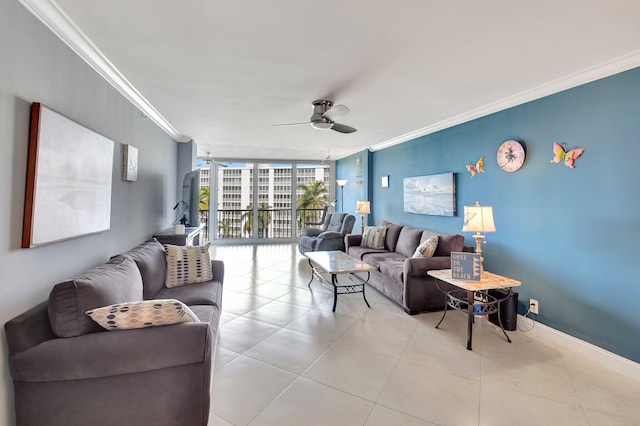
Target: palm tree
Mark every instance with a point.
(315, 196)
(204, 198)
(264, 219)
(225, 228)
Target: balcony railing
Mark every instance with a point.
(271, 223)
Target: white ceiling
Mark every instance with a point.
(223, 72)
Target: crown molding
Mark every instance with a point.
(54, 18)
(597, 72)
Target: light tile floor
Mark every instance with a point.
(284, 358)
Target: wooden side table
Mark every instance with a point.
(486, 304)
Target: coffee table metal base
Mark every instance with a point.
(357, 286)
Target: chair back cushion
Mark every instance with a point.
(334, 221)
(347, 224)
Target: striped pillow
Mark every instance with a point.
(187, 265)
(373, 237)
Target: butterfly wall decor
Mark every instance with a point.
(569, 157)
(478, 167)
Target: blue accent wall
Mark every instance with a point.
(357, 187)
(570, 235)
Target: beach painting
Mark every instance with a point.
(431, 195)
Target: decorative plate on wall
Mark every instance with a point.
(510, 156)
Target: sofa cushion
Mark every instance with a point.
(146, 313)
(446, 242)
(427, 247)
(187, 265)
(151, 260)
(207, 313)
(393, 269)
(358, 251)
(373, 237)
(393, 232)
(206, 293)
(375, 259)
(101, 286)
(408, 241)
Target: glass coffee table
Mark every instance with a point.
(334, 263)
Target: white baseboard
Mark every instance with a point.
(607, 359)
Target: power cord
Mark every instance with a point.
(533, 322)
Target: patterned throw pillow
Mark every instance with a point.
(427, 248)
(373, 237)
(148, 313)
(187, 265)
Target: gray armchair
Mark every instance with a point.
(330, 236)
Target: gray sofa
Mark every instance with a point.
(67, 370)
(330, 235)
(402, 278)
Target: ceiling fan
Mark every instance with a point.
(324, 117)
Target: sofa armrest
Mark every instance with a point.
(418, 266)
(311, 232)
(28, 329)
(330, 234)
(352, 240)
(217, 267)
(116, 352)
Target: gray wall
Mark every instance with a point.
(37, 67)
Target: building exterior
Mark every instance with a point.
(276, 194)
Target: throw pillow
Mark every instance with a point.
(148, 313)
(427, 248)
(187, 265)
(373, 237)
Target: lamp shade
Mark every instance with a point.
(363, 207)
(341, 182)
(478, 219)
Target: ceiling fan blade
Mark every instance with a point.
(335, 112)
(343, 128)
(290, 124)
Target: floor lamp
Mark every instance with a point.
(341, 183)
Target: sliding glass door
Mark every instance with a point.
(266, 200)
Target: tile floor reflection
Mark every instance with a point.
(284, 358)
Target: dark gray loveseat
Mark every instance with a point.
(69, 371)
(402, 278)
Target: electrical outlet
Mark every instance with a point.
(534, 306)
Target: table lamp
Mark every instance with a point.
(341, 183)
(363, 207)
(478, 219)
